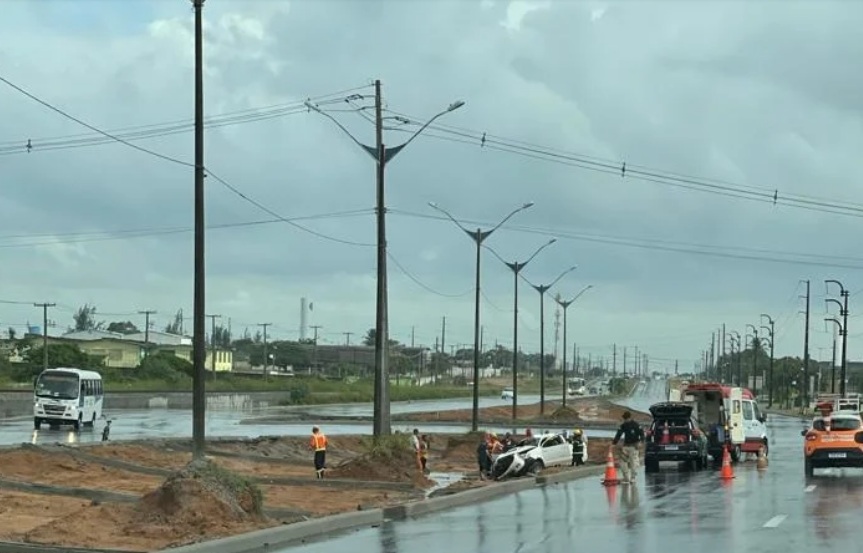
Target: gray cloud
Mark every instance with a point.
(757, 94)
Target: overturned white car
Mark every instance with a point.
(532, 455)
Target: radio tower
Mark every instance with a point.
(557, 333)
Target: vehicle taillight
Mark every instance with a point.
(811, 436)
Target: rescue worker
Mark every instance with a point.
(318, 444)
(507, 442)
(424, 453)
(483, 458)
(632, 435)
(577, 441)
(106, 431)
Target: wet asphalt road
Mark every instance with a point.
(172, 423)
(768, 511)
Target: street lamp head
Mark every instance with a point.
(455, 105)
(550, 242)
(527, 205)
(433, 205)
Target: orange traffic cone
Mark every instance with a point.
(610, 478)
(727, 472)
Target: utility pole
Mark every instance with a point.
(806, 354)
(624, 361)
(843, 306)
(675, 367)
(614, 360)
(833, 366)
(146, 314)
(443, 343)
(315, 338)
(722, 359)
(266, 356)
(199, 403)
(713, 352)
(412, 336)
(44, 307)
(213, 343)
(771, 333)
(637, 363)
(347, 336)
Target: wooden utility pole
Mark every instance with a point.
(45, 307)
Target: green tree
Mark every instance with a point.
(222, 337)
(164, 366)
(371, 334)
(11, 332)
(85, 318)
(124, 327)
(176, 325)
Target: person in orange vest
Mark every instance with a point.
(318, 444)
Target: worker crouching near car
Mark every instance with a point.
(318, 444)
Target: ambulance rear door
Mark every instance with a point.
(735, 416)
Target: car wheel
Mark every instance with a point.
(810, 470)
(78, 423)
(736, 454)
(766, 447)
(535, 468)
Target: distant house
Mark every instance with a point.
(125, 351)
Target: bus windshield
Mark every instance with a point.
(57, 385)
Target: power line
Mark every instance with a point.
(623, 169)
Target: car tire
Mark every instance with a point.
(809, 468)
(535, 468)
(78, 423)
(736, 454)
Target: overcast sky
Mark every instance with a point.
(743, 97)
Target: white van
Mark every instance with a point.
(731, 417)
(67, 396)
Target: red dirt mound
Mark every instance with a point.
(565, 414)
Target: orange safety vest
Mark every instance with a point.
(318, 442)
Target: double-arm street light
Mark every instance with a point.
(843, 330)
(478, 237)
(735, 337)
(516, 268)
(565, 305)
(382, 156)
(770, 333)
(542, 289)
(756, 344)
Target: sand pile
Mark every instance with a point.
(391, 459)
(565, 414)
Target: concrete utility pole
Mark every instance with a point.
(637, 367)
(347, 336)
(199, 404)
(213, 342)
(843, 306)
(614, 360)
(624, 361)
(806, 353)
(382, 156)
(45, 307)
(266, 356)
(146, 314)
(315, 360)
(412, 336)
(771, 336)
(443, 345)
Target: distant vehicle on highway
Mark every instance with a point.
(67, 396)
(532, 455)
(730, 416)
(507, 394)
(674, 436)
(833, 441)
(576, 387)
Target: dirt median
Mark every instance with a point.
(578, 412)
(167, 514)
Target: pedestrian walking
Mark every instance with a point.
(632, 435)
(318, 444)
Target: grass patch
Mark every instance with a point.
(387, 447)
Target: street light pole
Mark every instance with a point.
(516, 268)
(735, 336)
(844, 332)
(382, 156)
(479, 236)
(770, 332)
(756, 344)
(542, 289)
(565, 305)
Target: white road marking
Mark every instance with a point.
(775, 521)
(810, 489)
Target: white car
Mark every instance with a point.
(532, 455)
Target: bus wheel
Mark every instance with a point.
(93, 421)
(78, 423)
(37, 423)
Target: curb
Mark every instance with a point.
(269, 539)
(81, 493)
(16, 547)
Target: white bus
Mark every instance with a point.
(67, 396)
(577, 387)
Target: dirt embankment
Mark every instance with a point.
(579, 411)
(241, 486)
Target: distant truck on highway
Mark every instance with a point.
(731, 417)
